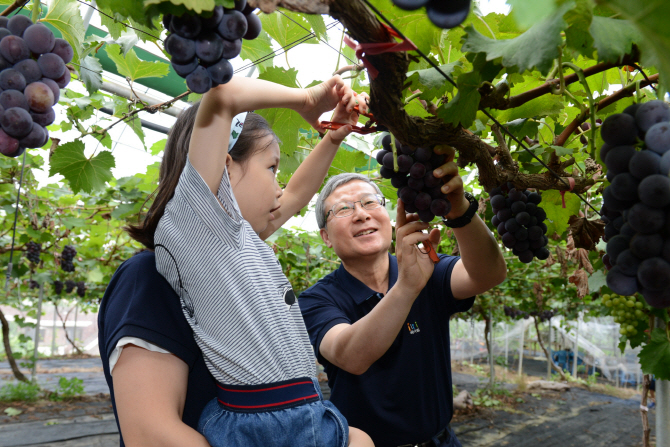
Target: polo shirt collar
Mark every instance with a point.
(359, 291)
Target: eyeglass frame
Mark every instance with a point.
(381, 203)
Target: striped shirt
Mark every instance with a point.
(232, 287)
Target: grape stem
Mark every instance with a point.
(37, 7)
(592, 104)
(151, 109)
(395, 154)
(503, 151)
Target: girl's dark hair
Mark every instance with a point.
(174, 160)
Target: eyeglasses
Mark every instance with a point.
(368, 201)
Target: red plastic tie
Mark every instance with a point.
(371, 49)
(571, 181)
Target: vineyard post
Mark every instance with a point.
(523, 334)
(506, 344)
(37, 332)
(662, 407)
(551, 342)
(53, 332)
(472, 340)
(74, 330)
(576, 354)
(491, 366)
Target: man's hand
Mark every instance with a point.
(414, 266)
(453, 183)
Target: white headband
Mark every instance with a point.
(236, 129)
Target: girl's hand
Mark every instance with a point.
(345, 113)
(322, 98)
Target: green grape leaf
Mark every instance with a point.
(414, 108)
(10, 411)
(83, 173)
(136, 124)
(113, 25)
(655, 355)
(613, 38)
(650, 17)
(90, 73)
(123, 8)
(133, 67)
(536, 48)
(528, 12)
(260, 47)
(431, 82)
(577, 34)
(280, 75)
(463, 107)
(288, 163)
(597, 280)
(546, 105)
(348, 161)
(284, 31)
(64, 15)
(557, 216)
(158, 147)
(126, 40)
(287, 124)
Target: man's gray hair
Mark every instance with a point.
(332, 184)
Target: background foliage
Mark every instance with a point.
(539, 71)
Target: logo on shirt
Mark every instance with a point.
(413, 328)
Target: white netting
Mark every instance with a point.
(598, 341)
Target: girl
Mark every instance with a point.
(215, 206)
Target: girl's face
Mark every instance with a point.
(255, 184)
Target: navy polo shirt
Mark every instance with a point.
(405, 397)
(140, 303)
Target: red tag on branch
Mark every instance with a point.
(370, 49)
(572, 186)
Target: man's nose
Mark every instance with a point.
(360, 213)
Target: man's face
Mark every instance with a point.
(365, 232)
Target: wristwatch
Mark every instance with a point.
(466, 218)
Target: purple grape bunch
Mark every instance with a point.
(67, 258)
(81, 289)
(419, 190)
(69, 286)
(516, 314)
(200, 46)
(32, 72)
(520, 222)
(58, 287)
(636, 204)
(444, 14)
(33, 250)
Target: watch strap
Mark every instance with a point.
(466, 218)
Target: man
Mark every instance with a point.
(380, 324)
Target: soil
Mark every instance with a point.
(579, 417)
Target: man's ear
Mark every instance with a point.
(324, 235)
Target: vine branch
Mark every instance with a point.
(629, 90)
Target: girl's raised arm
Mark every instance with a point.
(209, 140)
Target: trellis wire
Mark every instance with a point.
(486, 112)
